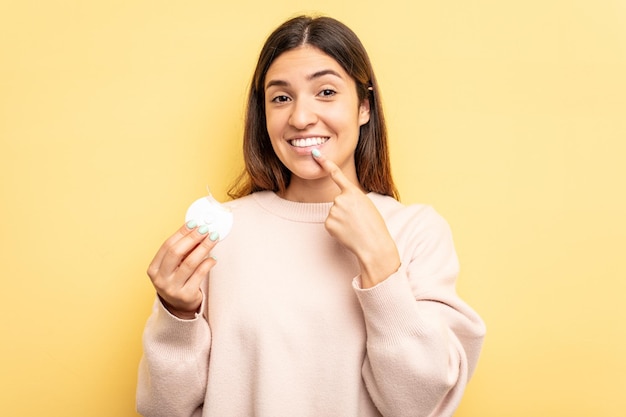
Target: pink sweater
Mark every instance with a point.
(286, 330)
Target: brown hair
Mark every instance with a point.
(263, 169)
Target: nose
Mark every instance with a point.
(302, 115)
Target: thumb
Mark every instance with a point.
(332, 169)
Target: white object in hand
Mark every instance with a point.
(208, 211)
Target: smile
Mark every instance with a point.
(305, 143)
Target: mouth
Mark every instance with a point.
(308, 142)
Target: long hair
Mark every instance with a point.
(263, 170)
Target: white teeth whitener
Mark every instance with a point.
(208, 211)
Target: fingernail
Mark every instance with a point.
(214, 236)
(316, 153)
(213, 257)
(203, 230)
(191, 224)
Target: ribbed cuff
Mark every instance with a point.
(389, 308)
(173, 336)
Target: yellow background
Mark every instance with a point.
(508, 116)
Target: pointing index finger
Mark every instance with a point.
(332, 169)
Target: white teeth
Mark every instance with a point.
(303, 143)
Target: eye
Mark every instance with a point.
(327, 92)
(280, 99)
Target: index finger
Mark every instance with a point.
(188, 231)
(332, 169)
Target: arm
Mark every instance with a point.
(173, 370)
(423, 341)
(176, 341)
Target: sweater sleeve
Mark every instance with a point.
(174, 367)
(423, 341)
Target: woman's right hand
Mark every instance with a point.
(180, 266)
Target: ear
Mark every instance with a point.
(364, 111)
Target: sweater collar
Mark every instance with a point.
(292, 210)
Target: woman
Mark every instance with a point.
(328, 297)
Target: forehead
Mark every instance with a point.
(302, 61)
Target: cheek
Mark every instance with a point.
(346, 115)
(345, 125)
(274, 131)
(273, 124)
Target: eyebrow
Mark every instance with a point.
(318, 74)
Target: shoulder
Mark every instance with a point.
(248, 200)
(419, 226)
(394, 211)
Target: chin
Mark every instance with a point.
(308, 174)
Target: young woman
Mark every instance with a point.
(328, 297)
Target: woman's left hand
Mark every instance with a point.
(356, 223)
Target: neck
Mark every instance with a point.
(320, 191)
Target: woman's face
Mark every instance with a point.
(311, 102)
